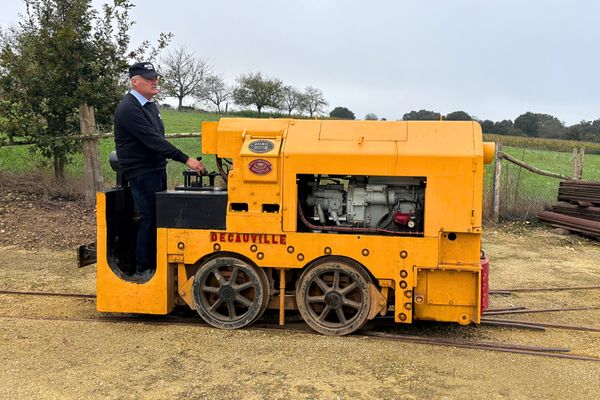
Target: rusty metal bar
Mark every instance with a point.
(536, 351)
(539, 310)
(491, 310)
(546, 289)
(511, 324)
(546, 324)
(282, 296)
(582, 225)
(56, 294)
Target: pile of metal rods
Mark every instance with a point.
(578, 209)
(580, 191)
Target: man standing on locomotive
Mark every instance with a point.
(142, 151)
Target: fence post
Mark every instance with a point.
(575, 160)
(91, 154)
(579, 174)
(497, 174)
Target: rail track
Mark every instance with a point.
(557, 352)
(54, 294)
(495, 291)
(542, 289)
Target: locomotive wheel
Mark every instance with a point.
(230, 293)
(333, 296)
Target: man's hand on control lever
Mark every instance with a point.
(196, 165)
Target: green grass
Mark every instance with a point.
(20, 159)
(524, 193)
(185, 122)
(537, 186)
(547, 154)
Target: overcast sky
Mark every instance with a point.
(494, 59)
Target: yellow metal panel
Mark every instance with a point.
(114, 294)
(448, 294)
(270, 159)
(359, 131)
(209, 137)
(383, 259)
(265, 222)
(451, 288)
(459, 248)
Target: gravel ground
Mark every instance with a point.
(49, 359)
(70, 359)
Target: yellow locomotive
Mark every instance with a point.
(341, 220)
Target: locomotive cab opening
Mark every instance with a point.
(121, 232)
(122, 222)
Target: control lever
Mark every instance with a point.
(198, 180)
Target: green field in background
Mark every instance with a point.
(532, 185)
(19, 159)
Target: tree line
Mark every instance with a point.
(527, 124)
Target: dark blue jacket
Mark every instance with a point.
(140, 138)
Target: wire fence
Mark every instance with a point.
(8, 143)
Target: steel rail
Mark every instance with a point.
(502, 292)
(395, 336)
(542, 324)
(57, 294)
(518, 349)
(546, 289)
(534, 311)
(557, 352)
(511, 324)
(490, 310)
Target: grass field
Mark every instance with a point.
(520, 185)
(19, 159)
(525, 193)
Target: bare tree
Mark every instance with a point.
(314, 100)
(183, 74)
(215, 90)
(371, 117)
(292, 99)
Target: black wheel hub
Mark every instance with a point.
(226, 293)
(333, 299)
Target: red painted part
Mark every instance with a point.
(485, 289)
(402, 218)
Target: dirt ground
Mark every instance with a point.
(47, 359)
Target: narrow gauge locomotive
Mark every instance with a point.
(341, 220)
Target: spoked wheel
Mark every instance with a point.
(333, 296)
(230, 293)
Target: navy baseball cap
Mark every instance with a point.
(144, 69)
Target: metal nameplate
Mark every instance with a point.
(261, 146)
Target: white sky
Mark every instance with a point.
(494, 59)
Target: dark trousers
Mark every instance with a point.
(143, 189)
